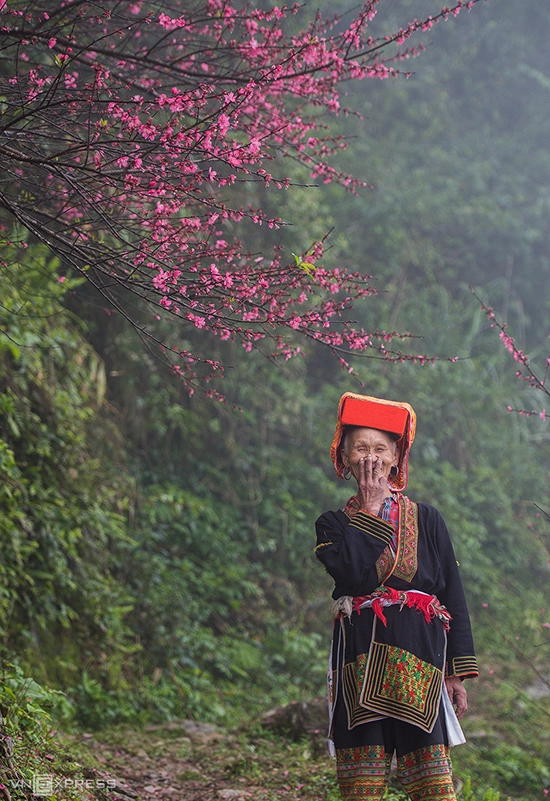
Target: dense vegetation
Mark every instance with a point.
(157, 548)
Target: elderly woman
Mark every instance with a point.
(402, 640)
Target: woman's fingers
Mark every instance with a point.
(457, 694)
(370, 466)
(374, 466)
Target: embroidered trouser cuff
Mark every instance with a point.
(425, 774)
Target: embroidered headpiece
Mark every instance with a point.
(385, 415)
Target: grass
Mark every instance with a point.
(507, 756)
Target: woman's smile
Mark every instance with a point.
(373, 447)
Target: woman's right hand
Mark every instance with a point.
(372, 484)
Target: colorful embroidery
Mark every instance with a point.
(384, 564)
(407, 561)
(401, 685)
(353, 676)
(426, 774)
(359, 669)
(362, 772)
(407, 557)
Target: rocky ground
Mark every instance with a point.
(190, 761)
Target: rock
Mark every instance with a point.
(202, 733)
(123, 789)
(6, 746)
(198, 733)
(234, 795)
(299, 719)
(541, 689)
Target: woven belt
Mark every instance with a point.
(428, 605)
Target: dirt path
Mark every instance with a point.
(188, 761)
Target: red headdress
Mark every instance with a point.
(385, 415)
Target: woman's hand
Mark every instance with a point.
(458, 695)
(372, 484)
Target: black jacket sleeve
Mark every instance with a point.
(349, 548)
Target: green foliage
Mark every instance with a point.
(27, 709)
(508, 767)
(468, 793)
(56, 517)
(516, 770)
(208, 613)
(27, 706)
(182, 610)
(508, 737)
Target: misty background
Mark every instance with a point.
(174, 573)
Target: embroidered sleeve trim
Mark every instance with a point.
(463, 666)
(374, 526)
(322, 545)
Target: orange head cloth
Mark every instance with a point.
(385, 415)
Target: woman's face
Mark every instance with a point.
(363, 442)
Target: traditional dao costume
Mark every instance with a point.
(401, 627)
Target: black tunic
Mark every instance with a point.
(394, 670)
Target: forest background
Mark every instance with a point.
(157, 553)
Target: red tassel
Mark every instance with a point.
(423, 603)
(377, 609)
(388, 593)
(391, 594)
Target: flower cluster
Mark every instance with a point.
(131, 133)
(527, 372)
